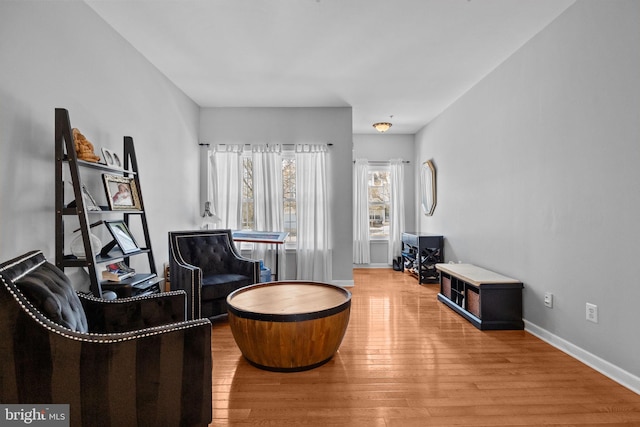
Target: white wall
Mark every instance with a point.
(61, 54)
(299, 125)
(538, 179)
(385, 147)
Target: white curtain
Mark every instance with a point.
(312, 205)
(267, 199)
(225, 184)
(396, 211)
(361, 251)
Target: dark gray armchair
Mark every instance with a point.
(207, 265)
(125, 362)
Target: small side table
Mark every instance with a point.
(268, 237)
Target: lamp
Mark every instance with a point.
(209, 217)
(382, 126)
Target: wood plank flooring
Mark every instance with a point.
(408, 360)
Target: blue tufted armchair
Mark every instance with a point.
(207, 265)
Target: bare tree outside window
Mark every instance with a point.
(289, 195)
(379, 206)
(248, 217)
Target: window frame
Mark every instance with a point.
(287, 155)
(386, 205)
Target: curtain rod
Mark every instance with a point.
(383, 161)
(207, 144)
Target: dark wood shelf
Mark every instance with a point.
(140, 284)
(115, 255)
(104, 211)
(66, 157)
(100, 166)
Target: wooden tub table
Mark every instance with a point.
(290, 325)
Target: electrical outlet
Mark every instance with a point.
(548, 299)
(592, 313)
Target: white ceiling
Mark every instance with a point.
(409, 59)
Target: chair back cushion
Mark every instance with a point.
(47, 288)
(212, 253)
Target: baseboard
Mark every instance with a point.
(617, 374)
(343, 283)
(373, 265)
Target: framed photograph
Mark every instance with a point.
(111, 158)
(122, 193)
(122, 236)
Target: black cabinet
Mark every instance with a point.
(486, 299)
(78, 210)
(421, 253)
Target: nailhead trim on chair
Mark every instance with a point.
(176, 254)
(129, 299)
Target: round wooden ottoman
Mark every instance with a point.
(290, 325)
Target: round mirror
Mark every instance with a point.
(428, 187)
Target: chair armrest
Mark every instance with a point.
(182, 273)
(187, 278)
(246, 267)
(128, 314)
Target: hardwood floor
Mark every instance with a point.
(408, 360)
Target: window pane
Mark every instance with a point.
(248, 218)
(289, 196)
(379, 187)
(379, 196)
(289, 193)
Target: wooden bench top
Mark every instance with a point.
(474, 274)
(288, 298)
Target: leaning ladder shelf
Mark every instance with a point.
(65, 155)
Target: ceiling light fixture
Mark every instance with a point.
(382, 126)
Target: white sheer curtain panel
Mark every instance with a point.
(312, 206)
(396, 211)
(225, 184)
(361, 251)
(267, 199)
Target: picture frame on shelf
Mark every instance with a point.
(122, 236)
(122, 192)
(111, 158)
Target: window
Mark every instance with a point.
(248, 218)
(289, 194)
(379, 198)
